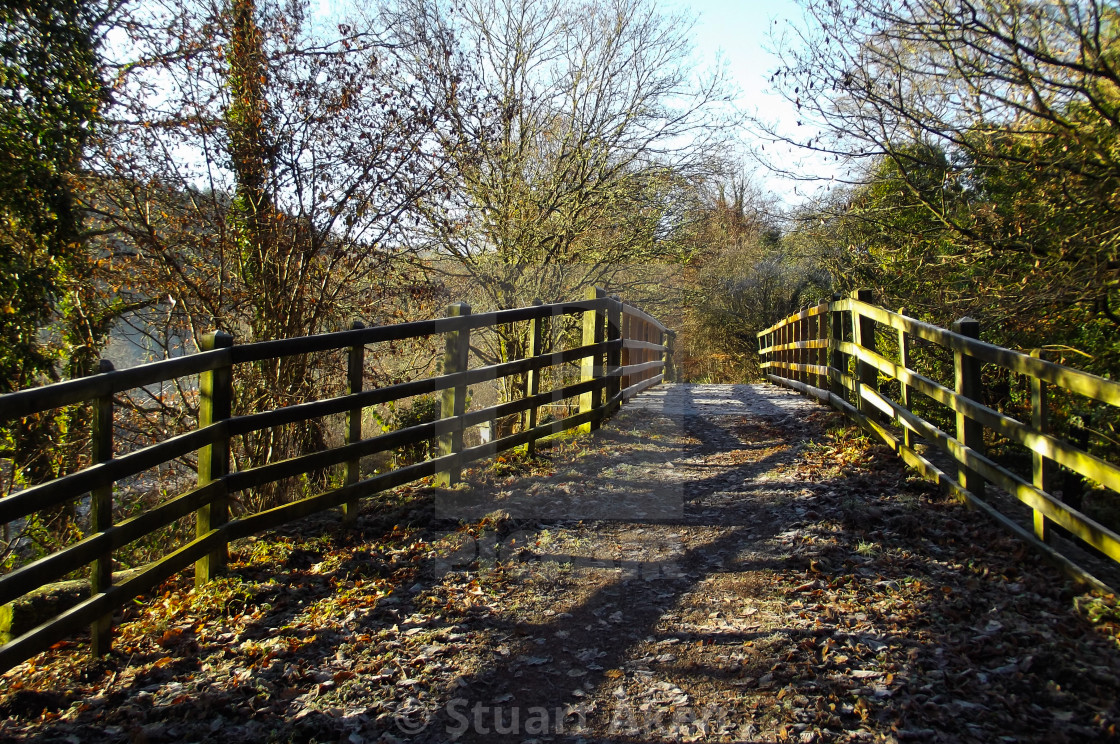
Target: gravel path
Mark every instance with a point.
(718, 563)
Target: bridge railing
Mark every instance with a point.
(831, 352)
(622, 352)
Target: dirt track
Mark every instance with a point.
(713, 565)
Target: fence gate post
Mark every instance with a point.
(216, 404)
(591, 367)
(1041, 467)
(863, 335)
(967, 381)
(533, 386)
(101, 516)
(355, 374)
(454, 404)
(904, 360)
(837, 359)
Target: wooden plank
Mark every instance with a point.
(837, 360)
(44, 636)
(640, 387)
(1082, 383)
(303, 411)
(798, 316)
(285, 513)
(533, 383)
(355, 381)
(53, 567)
(670, 369)
(820, 358)
(1042, 468)
(1093, 533)
(801, 387)
(454, 403)
(101, 517)
(815, 369)
(966, 378)
(643, 316)
(905, 363)
(613, 358)
(643, 345)
(216, 404)
(300, 464)
(82, 389)
(1046, 445)
(262, 350)
(76, 485)
(637, 369)
(937, 476)
(592, 367)
(863, 336)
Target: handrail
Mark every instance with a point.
(814, 357)
(622, 351)
(79, 390)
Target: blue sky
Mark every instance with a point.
(741, 29)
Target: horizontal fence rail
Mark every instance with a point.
(621, 352)
(831, 352)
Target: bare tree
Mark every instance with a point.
(255, 175)
(575, 132)
(1011, 106)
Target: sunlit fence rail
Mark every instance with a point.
(878, 367)
(622, 351)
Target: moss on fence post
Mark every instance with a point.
(216, 404)
(455, 357)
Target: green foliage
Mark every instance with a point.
(982, 150)
(746, 277)
(50, 95)
(423, 409)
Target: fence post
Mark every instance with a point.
(837, 360)
(967, 382)
(591, 367)
(627, 334)
(863, 335)
(904, 360)
(803, 354)
(795, 353)
(101, 516)
(456, 355)
(670, 348)
(821, 356)
(216, 404)
(786, 357)
(533, 383)
(1041, 467)
(614, 356)
(355, 374)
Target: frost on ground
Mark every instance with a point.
(718, 563)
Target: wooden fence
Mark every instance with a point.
(831, 353)
(623, 351)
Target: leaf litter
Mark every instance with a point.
(810, 590)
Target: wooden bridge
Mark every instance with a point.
(623, 351)
(920, 389)
(726, 555)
